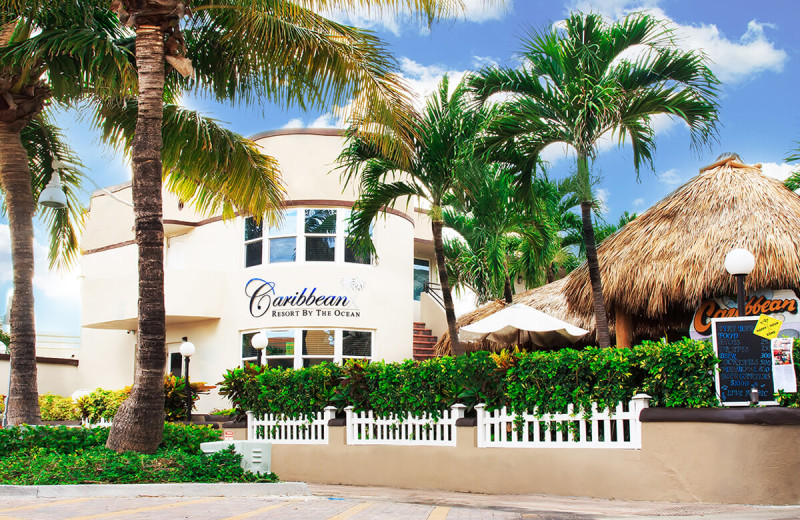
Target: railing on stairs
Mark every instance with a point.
(431, 288)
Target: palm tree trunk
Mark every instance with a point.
(507, 292)
(598, 305)
(23, 402)
(449, 308)
(139, 423)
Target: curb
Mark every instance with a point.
(159, 490)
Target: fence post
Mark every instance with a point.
(329, 413)
(457, 411)
(638, 403)
(349, 424)
(251, 428)
(480, 409)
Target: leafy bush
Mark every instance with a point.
(175, 396)
(58, 408)
(675, 374)
(101, 465)
(101, 404)
(60, 455)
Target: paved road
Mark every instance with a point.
(342, 503)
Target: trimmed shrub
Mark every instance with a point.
(101, 404)
(58, 408)
(678, 374)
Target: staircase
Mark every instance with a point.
(423, 342)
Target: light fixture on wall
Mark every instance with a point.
(259, 342)
(53, 195)
(187, 351)
(740, 262)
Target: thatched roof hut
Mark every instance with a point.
(662, 265)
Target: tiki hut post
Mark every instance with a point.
(623, 324)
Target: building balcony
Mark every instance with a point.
(190, 296)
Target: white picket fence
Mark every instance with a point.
(288, 430)
(365, 428)
(104, 423)
(617, 428)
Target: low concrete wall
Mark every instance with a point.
(679, 461)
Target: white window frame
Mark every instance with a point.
(298, 356)
(340, 240)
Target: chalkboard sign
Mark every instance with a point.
(746, 361)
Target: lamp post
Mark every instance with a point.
(259, 342)
(53, 195)
(740, 262)
(187, 350)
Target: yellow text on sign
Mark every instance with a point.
(768, 327)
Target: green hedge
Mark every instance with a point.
(32, 455)
(674, 374)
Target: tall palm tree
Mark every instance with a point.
(27, 82)
(443, 152)
(242, 51)
(587, 78)
(205, 164)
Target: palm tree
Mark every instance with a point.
(588, 78)
(503, 235)
(24, 91)
(205, 164)
(442, 154)
(241, 51)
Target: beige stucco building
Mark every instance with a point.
(225, 280)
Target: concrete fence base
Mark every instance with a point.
(679, 461)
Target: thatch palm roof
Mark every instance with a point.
(663, 264)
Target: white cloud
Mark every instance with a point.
(602, 199)
(476, 11)
(778, 171)
(637, 203)
(294, 123)
(733, 60)
(670, 177)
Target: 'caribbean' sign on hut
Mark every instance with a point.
(781, 304)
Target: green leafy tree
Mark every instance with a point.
(587, 78)
(442, 154)
(502, 235)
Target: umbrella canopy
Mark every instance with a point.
(520, 324)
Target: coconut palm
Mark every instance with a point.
(205, 164)
(242, 51)
(67, 57)
(587, 78)
(442, 154)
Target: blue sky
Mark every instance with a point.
(753, 47)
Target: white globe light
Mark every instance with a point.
(53, 195)
(740, 261)
(259, 341)
(187, 349)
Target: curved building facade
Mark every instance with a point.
(225, 280)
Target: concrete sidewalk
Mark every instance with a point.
(296, 501)
(554, 507)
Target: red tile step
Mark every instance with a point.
(424, 340)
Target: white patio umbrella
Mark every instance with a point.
(520, 324)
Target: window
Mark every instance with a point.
(253, 242)
(422, 275)
(279, 351)
(320, 235)
(176, 364)
(317, 346)
(283, 239)
(320, 230)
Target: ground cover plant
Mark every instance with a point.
(60, 455)
(678, 374)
